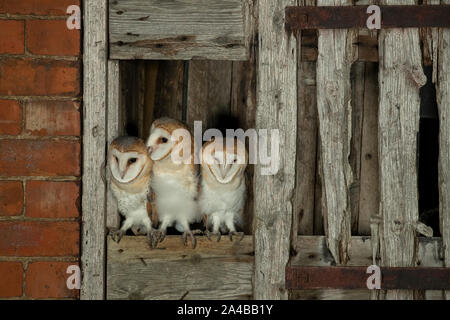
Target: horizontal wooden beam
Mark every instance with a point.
(346, 17)
(213, 270)
(219, 270)
(180, 30)
(298, 277)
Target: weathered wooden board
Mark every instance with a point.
(336, 55)
(357, 78)
(306, 149)
(224, 270)
(312, 251)
(443, 98)
(214, 270)
(369, 195)
(209, 93)
(94, 155)
(243, 104)
(169, 92)
(277, 109)
(318, 201)
(113, 131)
(400, 78)
(179, 30)
(367, 46)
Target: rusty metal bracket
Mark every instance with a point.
(301, 277)
(346, 17)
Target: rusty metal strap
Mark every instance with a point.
(298, 277)
(346, 17)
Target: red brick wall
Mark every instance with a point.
(40, 94)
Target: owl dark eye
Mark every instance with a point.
(164, 140)
(131, 161)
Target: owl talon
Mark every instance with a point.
(192, 234)
(234, 233)
(116, 235)
(209, 234)
(155, 236)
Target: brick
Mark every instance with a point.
(39, 158)
(39, 238)
(11, 198)
(12, 37)
(38, 77)
(11, 279)
(48, 280)
(54, 118)
(10, 117)
(52, 37)
(51, 199)
(37, 7)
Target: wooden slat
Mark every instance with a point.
(94, 140)
(169, 93)
(113, 131)
(306, 149)
(358, 87)
(345, 277)
(209, 92)
(214, 270)
(188, 29)
(369, 197)
(336, 54)
(277, 109)
(400, 78)
(243, 104)
(224, 270)
(318, 203)
(443, 98)
(312, 251)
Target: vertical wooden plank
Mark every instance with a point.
(357, 84)
(336, 54)
(141, 92)
(151, 76)
(306, 148)
(169, 92)
(369, 197)
(319, 207)
(243, 101)
(209, 92)
(443, 98)
(112, 131)
(94, 139)
(400, 78)
(277, 109)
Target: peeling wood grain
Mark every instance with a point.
(400, 77)
(180, 30)
(113, 131)
(336, 55)
(277, 109)
(243, 103)
(94, 155)
(211, 271)
(306, 149)
(369, 199)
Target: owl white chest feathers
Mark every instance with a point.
(175, 189)
(223, 204)
(129, 203)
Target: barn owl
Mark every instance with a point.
(223, 187)
(174, 183)
(130, 168)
